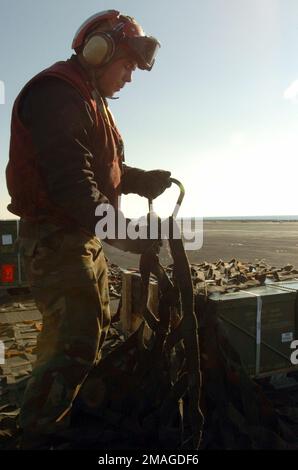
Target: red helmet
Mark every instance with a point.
(124, 32)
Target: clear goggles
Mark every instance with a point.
(144, 49)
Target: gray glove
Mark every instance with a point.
(149, 184)
(154, 183)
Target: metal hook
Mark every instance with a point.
(179, 200)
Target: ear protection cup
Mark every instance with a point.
(98, 49)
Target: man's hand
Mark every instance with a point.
(154, 183)
(149, 184)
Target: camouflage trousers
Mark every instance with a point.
(67, 273)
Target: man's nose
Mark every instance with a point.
(128, 76)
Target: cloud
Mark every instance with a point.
(291, 93)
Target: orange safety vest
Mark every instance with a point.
(28, 190)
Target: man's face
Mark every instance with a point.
(116, 75)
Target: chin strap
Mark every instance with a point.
(94, 73)
(97, 95)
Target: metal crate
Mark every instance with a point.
(260, 323)
(12, 272)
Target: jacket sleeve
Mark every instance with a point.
(61, 127)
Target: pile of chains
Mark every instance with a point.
(115, 280)
(234, 275)
(220, 276)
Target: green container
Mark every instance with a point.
(261, 324)
(9, 231)
(11, 263)
(287, 285)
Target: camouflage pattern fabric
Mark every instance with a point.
(68, 276)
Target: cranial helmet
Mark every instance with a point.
(99, 46)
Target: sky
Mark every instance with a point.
(219, 108)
